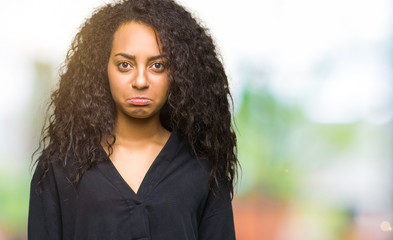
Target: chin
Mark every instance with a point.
(144, 115)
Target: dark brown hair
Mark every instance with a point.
(198, 100)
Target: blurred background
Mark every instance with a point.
(313, 104)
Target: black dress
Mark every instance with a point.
(173, 202)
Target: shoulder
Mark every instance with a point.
(185, 153)
(50, 166)
(217, 184)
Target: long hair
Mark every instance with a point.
(198, 104)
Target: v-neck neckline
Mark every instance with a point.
(151, 177)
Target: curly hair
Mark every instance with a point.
(198, 104)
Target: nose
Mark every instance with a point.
(140, 81)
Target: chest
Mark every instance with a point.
(173, 190)
(133, 165)
(177, 191)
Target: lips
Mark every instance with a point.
(140, 101)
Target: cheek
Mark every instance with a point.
(164, 91)
(160, 86)
(114, 82)
(165, 86)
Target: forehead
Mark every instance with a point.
(133, 36)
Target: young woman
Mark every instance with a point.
(140, 143)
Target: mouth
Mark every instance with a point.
(140, 101)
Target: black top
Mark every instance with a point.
(173, 202)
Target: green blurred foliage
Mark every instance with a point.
(14, 197)
(277, 143)
(264, 146)
(15, 173)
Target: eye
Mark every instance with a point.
(124, 66)
(158, 67)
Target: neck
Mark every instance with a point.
(130, 131)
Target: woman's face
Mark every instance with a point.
(137, 74)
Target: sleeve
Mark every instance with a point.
(217, 219)
(44, 221)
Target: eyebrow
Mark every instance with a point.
(132, 57)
